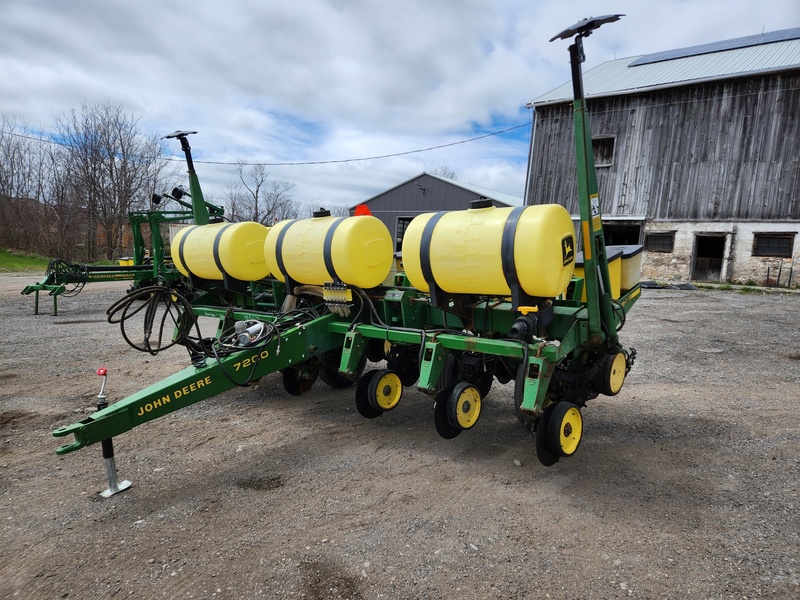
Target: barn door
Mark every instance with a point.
(707, 258)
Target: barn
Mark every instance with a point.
(427, 193)
(697, 155)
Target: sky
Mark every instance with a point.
(328, 81)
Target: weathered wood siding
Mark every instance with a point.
(726, 150)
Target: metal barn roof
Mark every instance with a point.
(752, 55)
(507, 199)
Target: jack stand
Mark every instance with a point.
(114, 487)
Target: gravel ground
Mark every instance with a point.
(685, 484)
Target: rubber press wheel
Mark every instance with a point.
(543, 452)
(612, 374)
(440, 420)
(363, 406)
(463, 406)
(564, 429)
(384, 390)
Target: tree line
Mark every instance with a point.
(71, 198)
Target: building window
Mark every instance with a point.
(400, 231)
(621, 233)
(603, 148)
(659, 242)
(773, 244)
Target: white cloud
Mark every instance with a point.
(319, 80)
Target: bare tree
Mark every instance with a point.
(257, 176)
(280, 203)
(257, 198)
(114, 167)
(236, 205)
(63, 210)
(22, 167)
(445, 172)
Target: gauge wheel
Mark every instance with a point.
(527, 419)
(363, 405)
(612, 374)
(297, 381)
(564, 429)
(384, 390)
(330, 369)
(440, 420)
(463, 406)
(543, 452)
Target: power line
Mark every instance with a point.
(299, 163)
(347, 160)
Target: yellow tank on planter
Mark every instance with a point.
(354, 250)
(214, 250)
(485, 250)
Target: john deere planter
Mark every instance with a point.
(484, 293)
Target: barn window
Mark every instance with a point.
(659, 242)
(603, 148)
(773, 244)
(621, 233)
(400, 231)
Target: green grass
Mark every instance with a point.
(16, 262)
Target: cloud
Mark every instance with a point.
(316, 80)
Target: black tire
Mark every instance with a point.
(363, 406)
(611, 376)
(564, 429)
(440, 420)
(463, 413)
(543, 452)
(385, 390)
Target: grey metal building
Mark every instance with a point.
(697, 156)
(427, 193)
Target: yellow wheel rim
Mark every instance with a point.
(468, 407)
(570, 431)
(388, 390)
(616, 375)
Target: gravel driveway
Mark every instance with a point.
(685, 484)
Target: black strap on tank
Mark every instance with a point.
(217, 239)
(507, 249)
(326, 250)
(279, 250)
(180, 246)
(425, 249)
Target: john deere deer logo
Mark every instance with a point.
(568, 250)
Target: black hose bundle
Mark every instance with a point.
(156, 306)
(60, 271)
